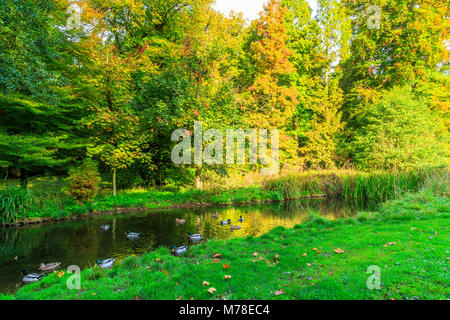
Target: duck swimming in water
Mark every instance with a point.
(105, 227)
(216, 215)
(132, 235)
(235, 227)
(195, 237)
(241, 219)
(225, 222)
(49, 267)
(180, 221)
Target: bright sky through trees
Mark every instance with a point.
(250, 8)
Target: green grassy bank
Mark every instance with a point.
(407, 239)
(27, 206)
(37, 204)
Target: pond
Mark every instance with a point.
(83, 242)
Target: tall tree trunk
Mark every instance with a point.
(198, 178)
(114, 183)
(23, 178)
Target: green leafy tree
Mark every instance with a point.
(318, 44)
(397, 133)
(396, 43)
(112, 122)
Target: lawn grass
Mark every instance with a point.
(408, 239)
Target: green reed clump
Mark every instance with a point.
(13, 202)
(17, 203)
(357, 186)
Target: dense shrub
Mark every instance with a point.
(397, 133)
(83, 182)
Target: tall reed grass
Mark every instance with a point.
(14, 201)
(357, 186)
(17, 203)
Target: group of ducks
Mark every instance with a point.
(47, 268)
(44, 268)
(228, 222)
(198, 237)
(130, 235)
(108, 263)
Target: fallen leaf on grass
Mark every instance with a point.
(315, 249)
(304, 254)
(226, 266)
(276, 258)
(308, 264)
(165, 272)
(216, 260)
(279, 292)
(255, 254)
(158, 260)
(339, 251)
(259, 259)
(217, 256)
(212, 290)
(205, 283)
(227, 277)
(179, 298)
(389, 244)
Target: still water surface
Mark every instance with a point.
(82, 242)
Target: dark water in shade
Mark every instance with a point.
(82, 242)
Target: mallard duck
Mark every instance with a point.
(105, 264)
(195, 237)
(235, 227)
(241, 219)
(216, 215)
(225, 222)
(105, 227)
(31, 277)
(49, 267)
(179, 250)
(180, 221)
(132, 235)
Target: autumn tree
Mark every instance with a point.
(272, 97)
(107, 92)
